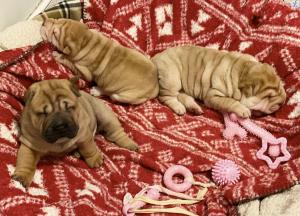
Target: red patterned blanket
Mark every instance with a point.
(267, 30)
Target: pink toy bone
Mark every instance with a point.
(232, 128)
(276, 146)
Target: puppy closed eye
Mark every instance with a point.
(43, 112)
(268, 97)
(68, 107)
(269, 93)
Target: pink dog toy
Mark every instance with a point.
(180, 170)
(128, 208)
(273, 146)
(151, 194)
(225, 172)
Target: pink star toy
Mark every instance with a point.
(273, 150)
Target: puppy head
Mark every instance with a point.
(52, 109)
(262, 89)
(67, 35)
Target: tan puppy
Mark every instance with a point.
(225, 81)
(124, 74)
(58, 118)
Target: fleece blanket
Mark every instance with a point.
(66, 186)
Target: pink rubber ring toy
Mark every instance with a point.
(179, 170)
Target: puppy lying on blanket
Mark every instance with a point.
(124, 74)
(58, 118)
(225, 81)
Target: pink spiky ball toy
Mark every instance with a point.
(225, 172)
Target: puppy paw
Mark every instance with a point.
(196, 109)
(24, 179)
(96, 91)
(59, 57)
(95, 160)
(189, 103)
(57, 54)
(243, 112)
(179, 109)
(132, 146)
(127, 143)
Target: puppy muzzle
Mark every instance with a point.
(59, 125)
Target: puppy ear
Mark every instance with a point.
(29, 95)
(44, 17)
(74, 87)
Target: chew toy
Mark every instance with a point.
(128, 208)
(151, 194)
(180, 170)
(275, 147)
(225, 172)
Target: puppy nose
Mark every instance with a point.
(60, 126)
(274, 108)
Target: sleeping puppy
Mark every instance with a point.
(57, 119)
(124, 74)
(224, 81)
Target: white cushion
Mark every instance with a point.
(21, 34)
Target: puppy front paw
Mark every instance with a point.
(179, 109)
(125, 142)
(131, 145)
(95, 161)
(59, 57)
(243, 112)
(23, 178)
(195, 110)
(56, 54)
